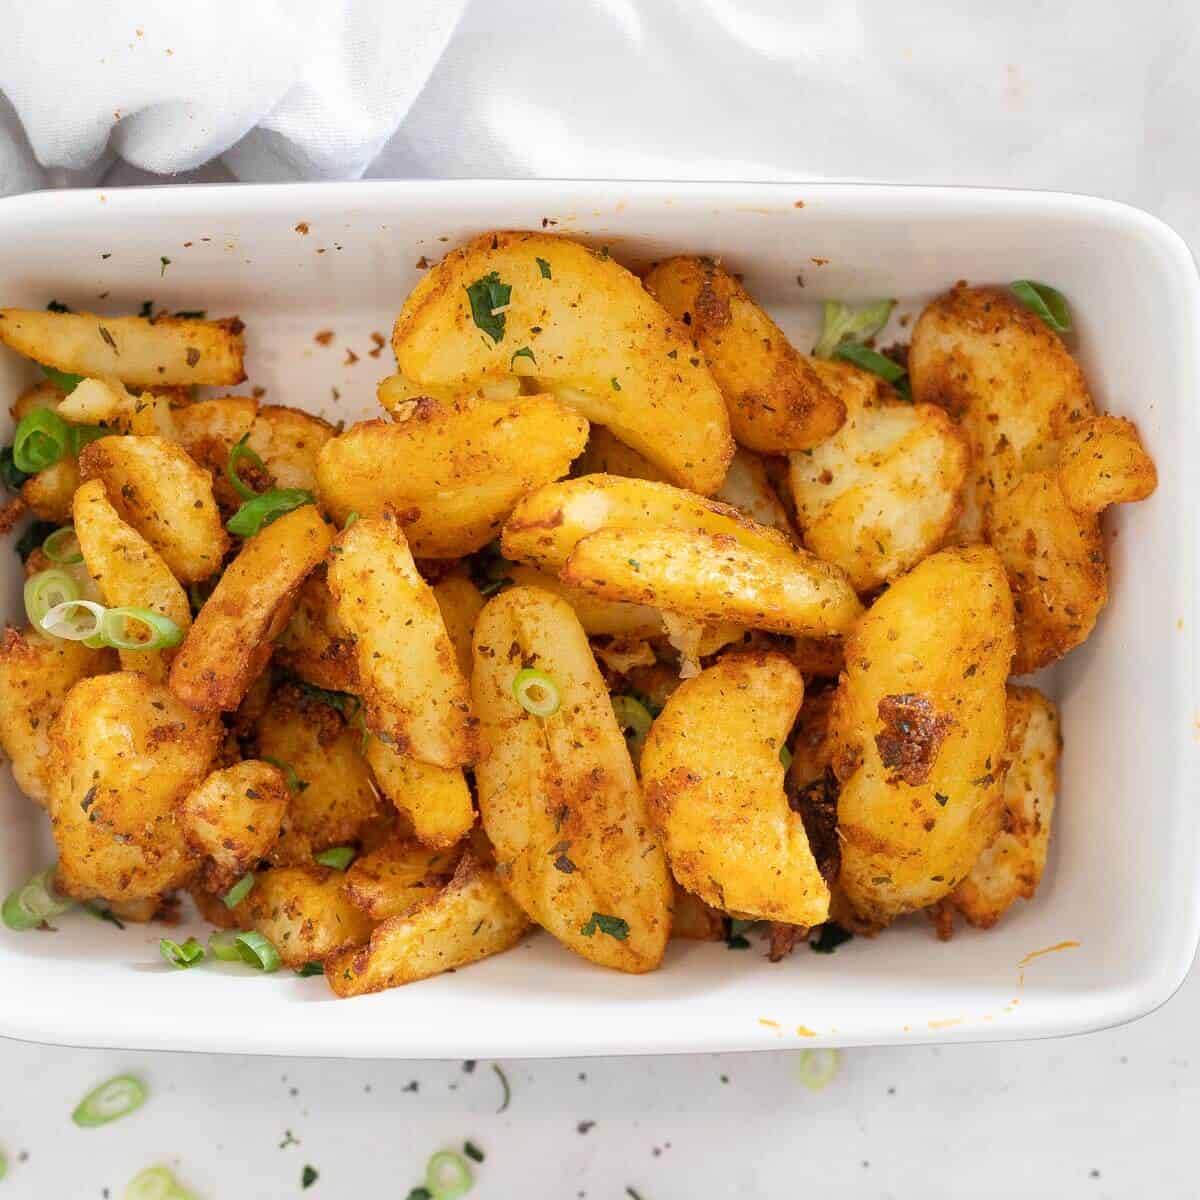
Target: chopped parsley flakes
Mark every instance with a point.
(487, 296)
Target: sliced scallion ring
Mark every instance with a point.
(240, 451)
(536, 692)
(181, 956)
(74, 620)
(63, 380)
(162, 630)
(222, 945)
(257, 951)
(841, 323)
(33, 902)
(1044, 301)
(41, 438)
(239, 891)
(114, 1098)
(870, 360)
(447, 1175)
(62, 546)
(818, 1068)
(47, 590)
(154, 1183)
(337, 857)
(256, 514)
(635, 720)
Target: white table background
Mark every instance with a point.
(1081, 95)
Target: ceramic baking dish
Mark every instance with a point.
(1120, 900)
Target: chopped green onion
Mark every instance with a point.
(870, 360)
(473, 1152)
(62, 546)
(841, 323)
(489, 297)
(79, 436)
(536, 692)
(635, 720)
(3, 1164)
(222, 945)
(350, 521)
(256, 514)
(785, 756)
(154, 1183)
(256, 951)
(447, 1176)
(615, 927)
(817, 1068)
(500, 1075)
(163, 631)
(116, 1097)
(63, 380)
(33, 902)
(337, 857)
(75, 621)
(311, 968)
(34, 535)
(187, 955)
(239, 891)
(240, 451)
(1044, 301)
(420, 1193)
(41, 439)
(293, 781)
(47, 590)
(308, 1176)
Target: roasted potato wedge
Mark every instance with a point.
(135, 350)
(470, 919)
(49, 493)
(693, 920)
(289, 441)
(232, 819)
(776, 400)
(591, 332)
(230, 641)
(460, 604)
(1011, 867)
(123, 752)
(435, 799)
(599, 618)
(918, 732)
(36, 673)
(713, 778)
(109, 402)
(165, 496)
(606, 454)
(397, 877)
(558, 795)
(314, 644)
(454, 470)
(415, 696)
(1103, 462)
(128, 571)
(209, 429)
(747, 488)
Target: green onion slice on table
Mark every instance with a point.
(447, 1175)
(33, 902)
(114, 1098)
(841, 323)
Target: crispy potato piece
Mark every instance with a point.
(303, 912)
(397, 877)
(558, 794)
(435, 799)
(713, 778)
(314, 644)
(165, 496)
(128, 571)
(109, 402)
(230, 642)
(714, 578)
(49, 492)
(453, 469)
(209, 429)
(606, 454)
(811, 785)
(601, 341)
(1011, 867)
(884, 491)
(599, 618)
(776, 401)
(918, 732)
(819, 656)
(748, 489)
(232, 819)
(1103, 462)
(289, 440)
(470, 919)
(36, 673)
(123, 752)
(460, 604)
(693, 920)
(42, 394)
(137, 351)
(415, 696)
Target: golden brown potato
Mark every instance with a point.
(748, 488)
(460, 604)
(289, 441)
(165, 496)
(693, 920)
(109, 402)
(42, 394)
(415, 696)
(231, 820)
(209, 429)
(48, 493)
(303, 912)
(397, 877)
(137, 351)
(713, 778)
(230, 642)
(123, 752)
(435, 799)
(606, 454)
(558, 794)
(129, 572)
(884, 491)
(1103, 462)
(918, 732)
(693, 640)
(470, 919)
(1011, 867)
(819, 656)
(599, 618)
(36, 673)
(811, 785)
(591, 332)
(453, 470)
(776, 400)
(314, 644)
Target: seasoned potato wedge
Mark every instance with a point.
(470, 919)
(460, 604)
(36, 673)
(592, 332)
(137, 351)
(124, 751)
(209, 429)
(165, 496)
(884, 491)
(415, 695)
(776, 401)
(1011, 867)
(812, 787)
(42, 394)
(232, 819)
(109, 402)
(599, 618)
(693, 920)
(558, 795)
(918, 732)
(713, 778)
(747, 488)
(230, 641)
(128, 571)
(288, 441)
(606, 454)
(435, 799)
(453, 470)
(314, 644)
(49, 493)
(303, 912)
(1103, 462)
(398, 876)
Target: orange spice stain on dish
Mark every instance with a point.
(1068, 945)
(946, 1023)
(804, 1031)
(768, 1023)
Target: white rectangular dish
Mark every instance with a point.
(1121, 900)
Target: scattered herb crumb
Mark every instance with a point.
(504, 1084)
(832, 935)
(724, 1078)
(420, 1193)
(544, 267)
(302, 228)
(469, 1065)
(323, 337)
(308, 1176)
(615, 927)
(616, 386)
(166, 262)
(584, 1126)
(289, 1139)
(488, 296)
(472, 1151)
(411, 1086)
(379, 342)
(633, 1193)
